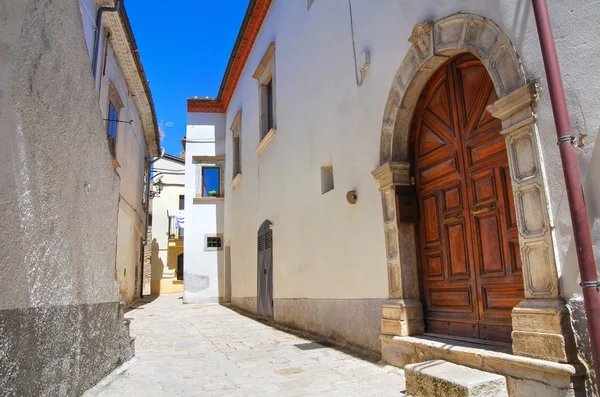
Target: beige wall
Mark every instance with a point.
(164, 258)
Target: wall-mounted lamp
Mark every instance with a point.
(157, 187)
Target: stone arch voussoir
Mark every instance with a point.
(433, 44)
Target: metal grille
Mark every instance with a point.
(261, 242)
(269, 239)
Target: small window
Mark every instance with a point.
(213, 243)
(237, 161)
(326, 177)
(111, 127)
(211, 181)
(181, 202)
(267, 108)
(265, 74)
(236, 128)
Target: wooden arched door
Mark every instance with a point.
(264, 294)
(468, 240)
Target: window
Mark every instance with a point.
(211, 181)
(326, 177)
(265, 74)
(237, 161)
(111, 127)
(181, 208)
(213, 243)
(236, 128)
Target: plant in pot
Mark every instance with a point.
(213, 193)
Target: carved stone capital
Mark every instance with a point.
(392, 174)
(515, 108)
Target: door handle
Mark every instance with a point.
(484, 209)
(453, 217)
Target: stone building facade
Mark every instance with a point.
(408, 172)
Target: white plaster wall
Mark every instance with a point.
(323, 247)
(130, 154)
(205, 137)
(168, 201)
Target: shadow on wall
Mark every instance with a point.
(157, 267)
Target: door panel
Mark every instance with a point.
(469, 249)
(264, 276)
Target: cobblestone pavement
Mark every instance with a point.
(210, 350)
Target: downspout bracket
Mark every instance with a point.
(590, 284)
(566, 138)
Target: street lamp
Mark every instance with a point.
(157, 188)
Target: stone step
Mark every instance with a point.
(439, 378)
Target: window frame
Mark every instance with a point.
(236, 129)
(267, 96)
(213, 236)
(110, 122)
(219, 188)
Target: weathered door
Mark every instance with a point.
(468, 242)
(265, 271)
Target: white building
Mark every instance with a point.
(166, 259)
(204, 260)
(133, 137)
(392, 169)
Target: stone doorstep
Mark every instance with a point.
(401, 351)
(439, 378)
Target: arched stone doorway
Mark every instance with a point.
(540, 321)
(469, 266)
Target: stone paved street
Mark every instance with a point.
(210, 350)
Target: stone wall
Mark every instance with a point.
(147, 276)
(61, 326)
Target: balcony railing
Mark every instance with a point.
(174, 231)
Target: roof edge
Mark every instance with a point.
(254, 17)
(142, 73)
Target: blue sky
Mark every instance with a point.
(185, 47)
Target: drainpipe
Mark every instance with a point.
(579, 219)
(101, 10)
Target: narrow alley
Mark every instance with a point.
(210, 350)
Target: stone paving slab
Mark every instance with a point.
(211, 350)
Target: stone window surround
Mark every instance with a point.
(265, 72)
(209, 161)
(541, 327)
(236, 129)
(207, 248)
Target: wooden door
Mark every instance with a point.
(264, 295)
(468, 240)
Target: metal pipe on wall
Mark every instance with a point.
(579, 219)
(101, 11)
